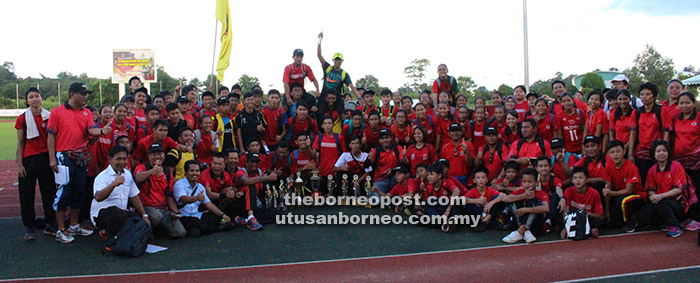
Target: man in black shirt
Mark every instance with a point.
(249, 122)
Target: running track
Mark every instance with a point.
(547, 261)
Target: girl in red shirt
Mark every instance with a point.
(597, 122)
(498, 121)
(570, 124)
(512, 130)
(370, 136)
(401, 129)
(621, 121)
(686, 128)
(478, 126)
(443, 122)
(462, 118)
(206, 147)
(545, 127)
(496, 100)
(521, 104)
(420, 152)
(104, 142)
(426, 121)
(130, 103)
(673, 89)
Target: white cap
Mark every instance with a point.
(621, 78)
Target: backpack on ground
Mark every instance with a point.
(131, 240)
(577, 226)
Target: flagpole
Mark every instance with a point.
(213, 57)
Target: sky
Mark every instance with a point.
(481, 39)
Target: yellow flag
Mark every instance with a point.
(223, 14)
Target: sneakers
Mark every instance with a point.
(663, 228)
(630, 226)
(449, 226)
(30, 235)
(64, 237)
(528, 237)
(481, 227)
(674, 232)
(102, 234)
(50, 230)
(691, 225)
(513, 237)
(240, 221)
(79, 230)
(253, 224)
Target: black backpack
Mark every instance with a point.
(540, 142)
(131, 240)
(577, 226)
(638, 113)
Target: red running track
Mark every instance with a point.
(547, 261)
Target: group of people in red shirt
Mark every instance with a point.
(522, 162)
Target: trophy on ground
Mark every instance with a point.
(356, 185)
(280, 196)
(368, 189)
(299, 188)
(268, 196)
(344, 188)
(330, 186)
(315, 182)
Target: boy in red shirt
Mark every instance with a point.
(282, 161)
(552, 186)
(510, 182)
(562, 161)
(370, 135)
(250, 181)
(368, 101)
(306, 158)
(217, 182)
(387, 111)
(160, 135)
(583, 197)
(329, 147)
(301, 123)
(385, 158)
(528, 206)
(488, 202)
(152, 114)
(405, 187)
(276, 120)
(492, 155)
(437, 188)
(355, 126)
(594, 161)
(626, 195)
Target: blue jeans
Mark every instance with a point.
(384, 185)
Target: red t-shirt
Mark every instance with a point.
(329, 152)
(142, 131)
(551, 186)
(442, 125)
(687, 136)
(588, 201)
(530, 149)
(274, 119)
(403, 189)
(298, 127)
(571, 127)
(492, 161)
(154, 189)
(627, 174)
(372, 136)
(296, 74)
(595, 119)
(140, 117)
(70, 126)
(258, 187)
(189, 119)
(558, 108)
(622, 126)
(288, 165)
(356, 131)
(671, 177)
(430, 127)
(595, 169)
(673, 110)
(425, 155)
(303, 158)
(261, 166)
(489, 193)
(203, 149)
(559, 171)
(36, 145)
(522, 107)
(402, 134)
(102, 146)
(123, 129)
(456, 155)
(445, 190)
(650, 130)
(216, 183)
(541, 195)
(545, 127)
(387, 160)
(479, 139)
(141, 152)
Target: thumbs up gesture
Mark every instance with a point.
(119, 180)
(200, 196)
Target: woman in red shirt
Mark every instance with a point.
(570, 124)
(686, 128)
(477, 127)
(665, 183)
(463, 120)
(498, 121)
(597, 122)
(521, 104)
(512, 130)
(420, 152)
(443, 122)
(621, 120)
(401, 129)
(496, 100)
(370, 135)
(427, 122)
(545, 126)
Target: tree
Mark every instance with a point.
(592, 81)
(248, 82)
(466, 85)
(369, 81)
(613, 69)
(7, 73)
(482, 91)
(655, 68)
(505, 89)
(691, 69)
(416, 72)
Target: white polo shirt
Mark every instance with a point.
(119, 196)
(183, 188)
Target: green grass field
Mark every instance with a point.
(8, 140)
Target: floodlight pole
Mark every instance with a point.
(527, 63)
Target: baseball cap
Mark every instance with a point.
(591, 138)
(556, 143)
(444, 162)
(298, 51)
(253, 157)
(338, 55)
(402, 169)
(360, 88)
(490, 131)
(222, 100)
(79, 88)
(384, 132)
(454, 127)
(368, 91)
(182, 98)
(621, 78)
(156, 147)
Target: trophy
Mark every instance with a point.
(268, 196)
(330, 186)
(344, 187)
(315, 181)
(368, 189)
(356, 185)
(299, 185)
(275, 196)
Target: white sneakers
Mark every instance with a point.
(514, 237)
(63, 237)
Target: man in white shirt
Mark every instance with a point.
(189, 195)
(114, 188)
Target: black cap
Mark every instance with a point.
(182, 98)
(402, 169)
(556, 143)
(384, 132)
(591, 138)
(79, 88)
(454, 127)
(156, 147)
(222, 100)
(491, 131)
(253, 157)
(141, 89)
(368, 91)
(532, 94)
(360, 88)
(444, 162)
(298, 51)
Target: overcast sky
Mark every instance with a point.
(481, 39)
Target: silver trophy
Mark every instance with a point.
(368, 189)
(356, 185)
(315, 181)
(268, 196)
(330, 186)
(299, 185)
(344, 185)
